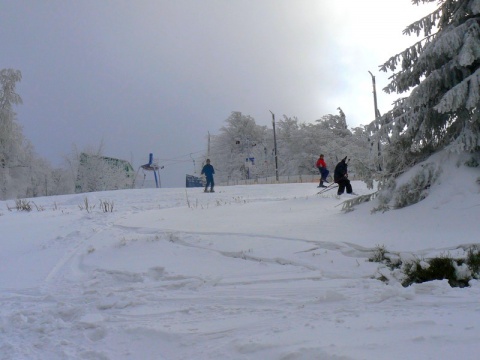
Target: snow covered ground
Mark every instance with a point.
(248, 272)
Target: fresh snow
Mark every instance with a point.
(248, 272)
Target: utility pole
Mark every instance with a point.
(377, 115)
(275, 145)
(375, 109)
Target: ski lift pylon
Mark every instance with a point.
(151, 166)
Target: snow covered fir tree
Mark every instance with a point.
(441, 113)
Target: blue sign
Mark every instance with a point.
(193, 181)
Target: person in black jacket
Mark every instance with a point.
(208, 170)
(340, 176)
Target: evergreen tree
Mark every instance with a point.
(442, 111)
(442, 72)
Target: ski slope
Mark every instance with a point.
(248, 272)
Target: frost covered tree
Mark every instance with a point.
(442, 72)
(10, 134)
(19, 170)
(338, 141)
(240, 140)
(298, 144)
(334, 136)
(22, 172)
(300, 148)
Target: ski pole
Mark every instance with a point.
(329, 187)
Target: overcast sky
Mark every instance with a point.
(157, 75)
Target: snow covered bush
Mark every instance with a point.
(472, 162)
(408, 271)
(439, 268)
(381, 255)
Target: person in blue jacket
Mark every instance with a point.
(208, 171)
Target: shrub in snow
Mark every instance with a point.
(106, 206)
(23, 205)
(473, 260)
(378, 254)
(381, 255)
(472, 162)
(459, 272)
(435, 269)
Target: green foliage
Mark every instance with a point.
(435, 269)
(473, 260)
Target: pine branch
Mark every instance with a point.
(426, 23)
(417, 48)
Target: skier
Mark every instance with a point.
(322, 168)
(340, 176)
(208, 170)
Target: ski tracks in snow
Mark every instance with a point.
(167, 290)
(163, 303)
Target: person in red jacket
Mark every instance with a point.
(322, 167)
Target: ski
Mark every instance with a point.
(329, 187)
